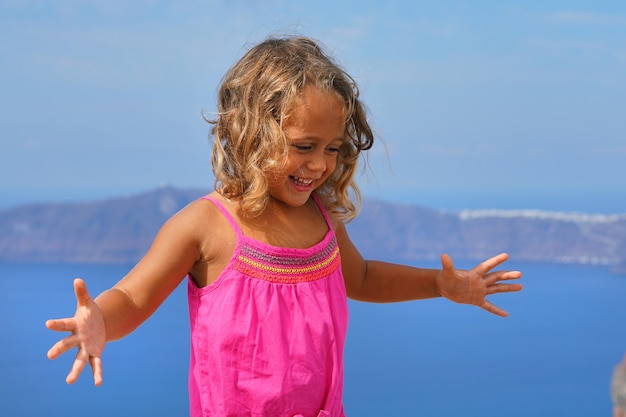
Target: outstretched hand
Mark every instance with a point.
(88, 334)
(474, 285)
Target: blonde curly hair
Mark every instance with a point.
(256, 96)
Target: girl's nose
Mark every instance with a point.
(317, 163)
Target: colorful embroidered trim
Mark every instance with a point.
(287, 269)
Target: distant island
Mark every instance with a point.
(120, 230)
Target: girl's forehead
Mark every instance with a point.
(313, 98)
(320, 115)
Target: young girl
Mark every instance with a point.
(268, 259)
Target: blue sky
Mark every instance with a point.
(495, 103)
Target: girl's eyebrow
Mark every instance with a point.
(315, 138)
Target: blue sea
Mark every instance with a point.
(552, 357)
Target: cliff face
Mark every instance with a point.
(120, 230)
(409, 232)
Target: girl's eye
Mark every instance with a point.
(309, 148)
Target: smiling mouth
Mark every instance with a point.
(301, 182)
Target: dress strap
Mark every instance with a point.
(236, 227)
(226, 214)
(323, 210)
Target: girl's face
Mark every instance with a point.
(315, 130)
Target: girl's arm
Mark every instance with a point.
(171, 256)
(121, 309)
(376, 281)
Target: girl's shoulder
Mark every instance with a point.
(214, 237)
(200, 224)
(199, 213)
(204, 216)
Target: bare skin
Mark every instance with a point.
(199, 241)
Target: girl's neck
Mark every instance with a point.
(286, 226)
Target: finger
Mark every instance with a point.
(62, 346)
(446, 262)
(77, 367)
(495, 277)
(498, 288)
(61, 325)
(96, 368)
(493, 309)
(486, 266)
(80, 290)
(505, 275)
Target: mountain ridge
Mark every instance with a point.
(120, 230)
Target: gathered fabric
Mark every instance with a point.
(267, 337)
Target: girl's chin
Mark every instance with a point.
(291, 198)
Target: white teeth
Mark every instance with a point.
(303, 181)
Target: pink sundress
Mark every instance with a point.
(267, 337)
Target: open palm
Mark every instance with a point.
(88, 334)
(473, 286)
